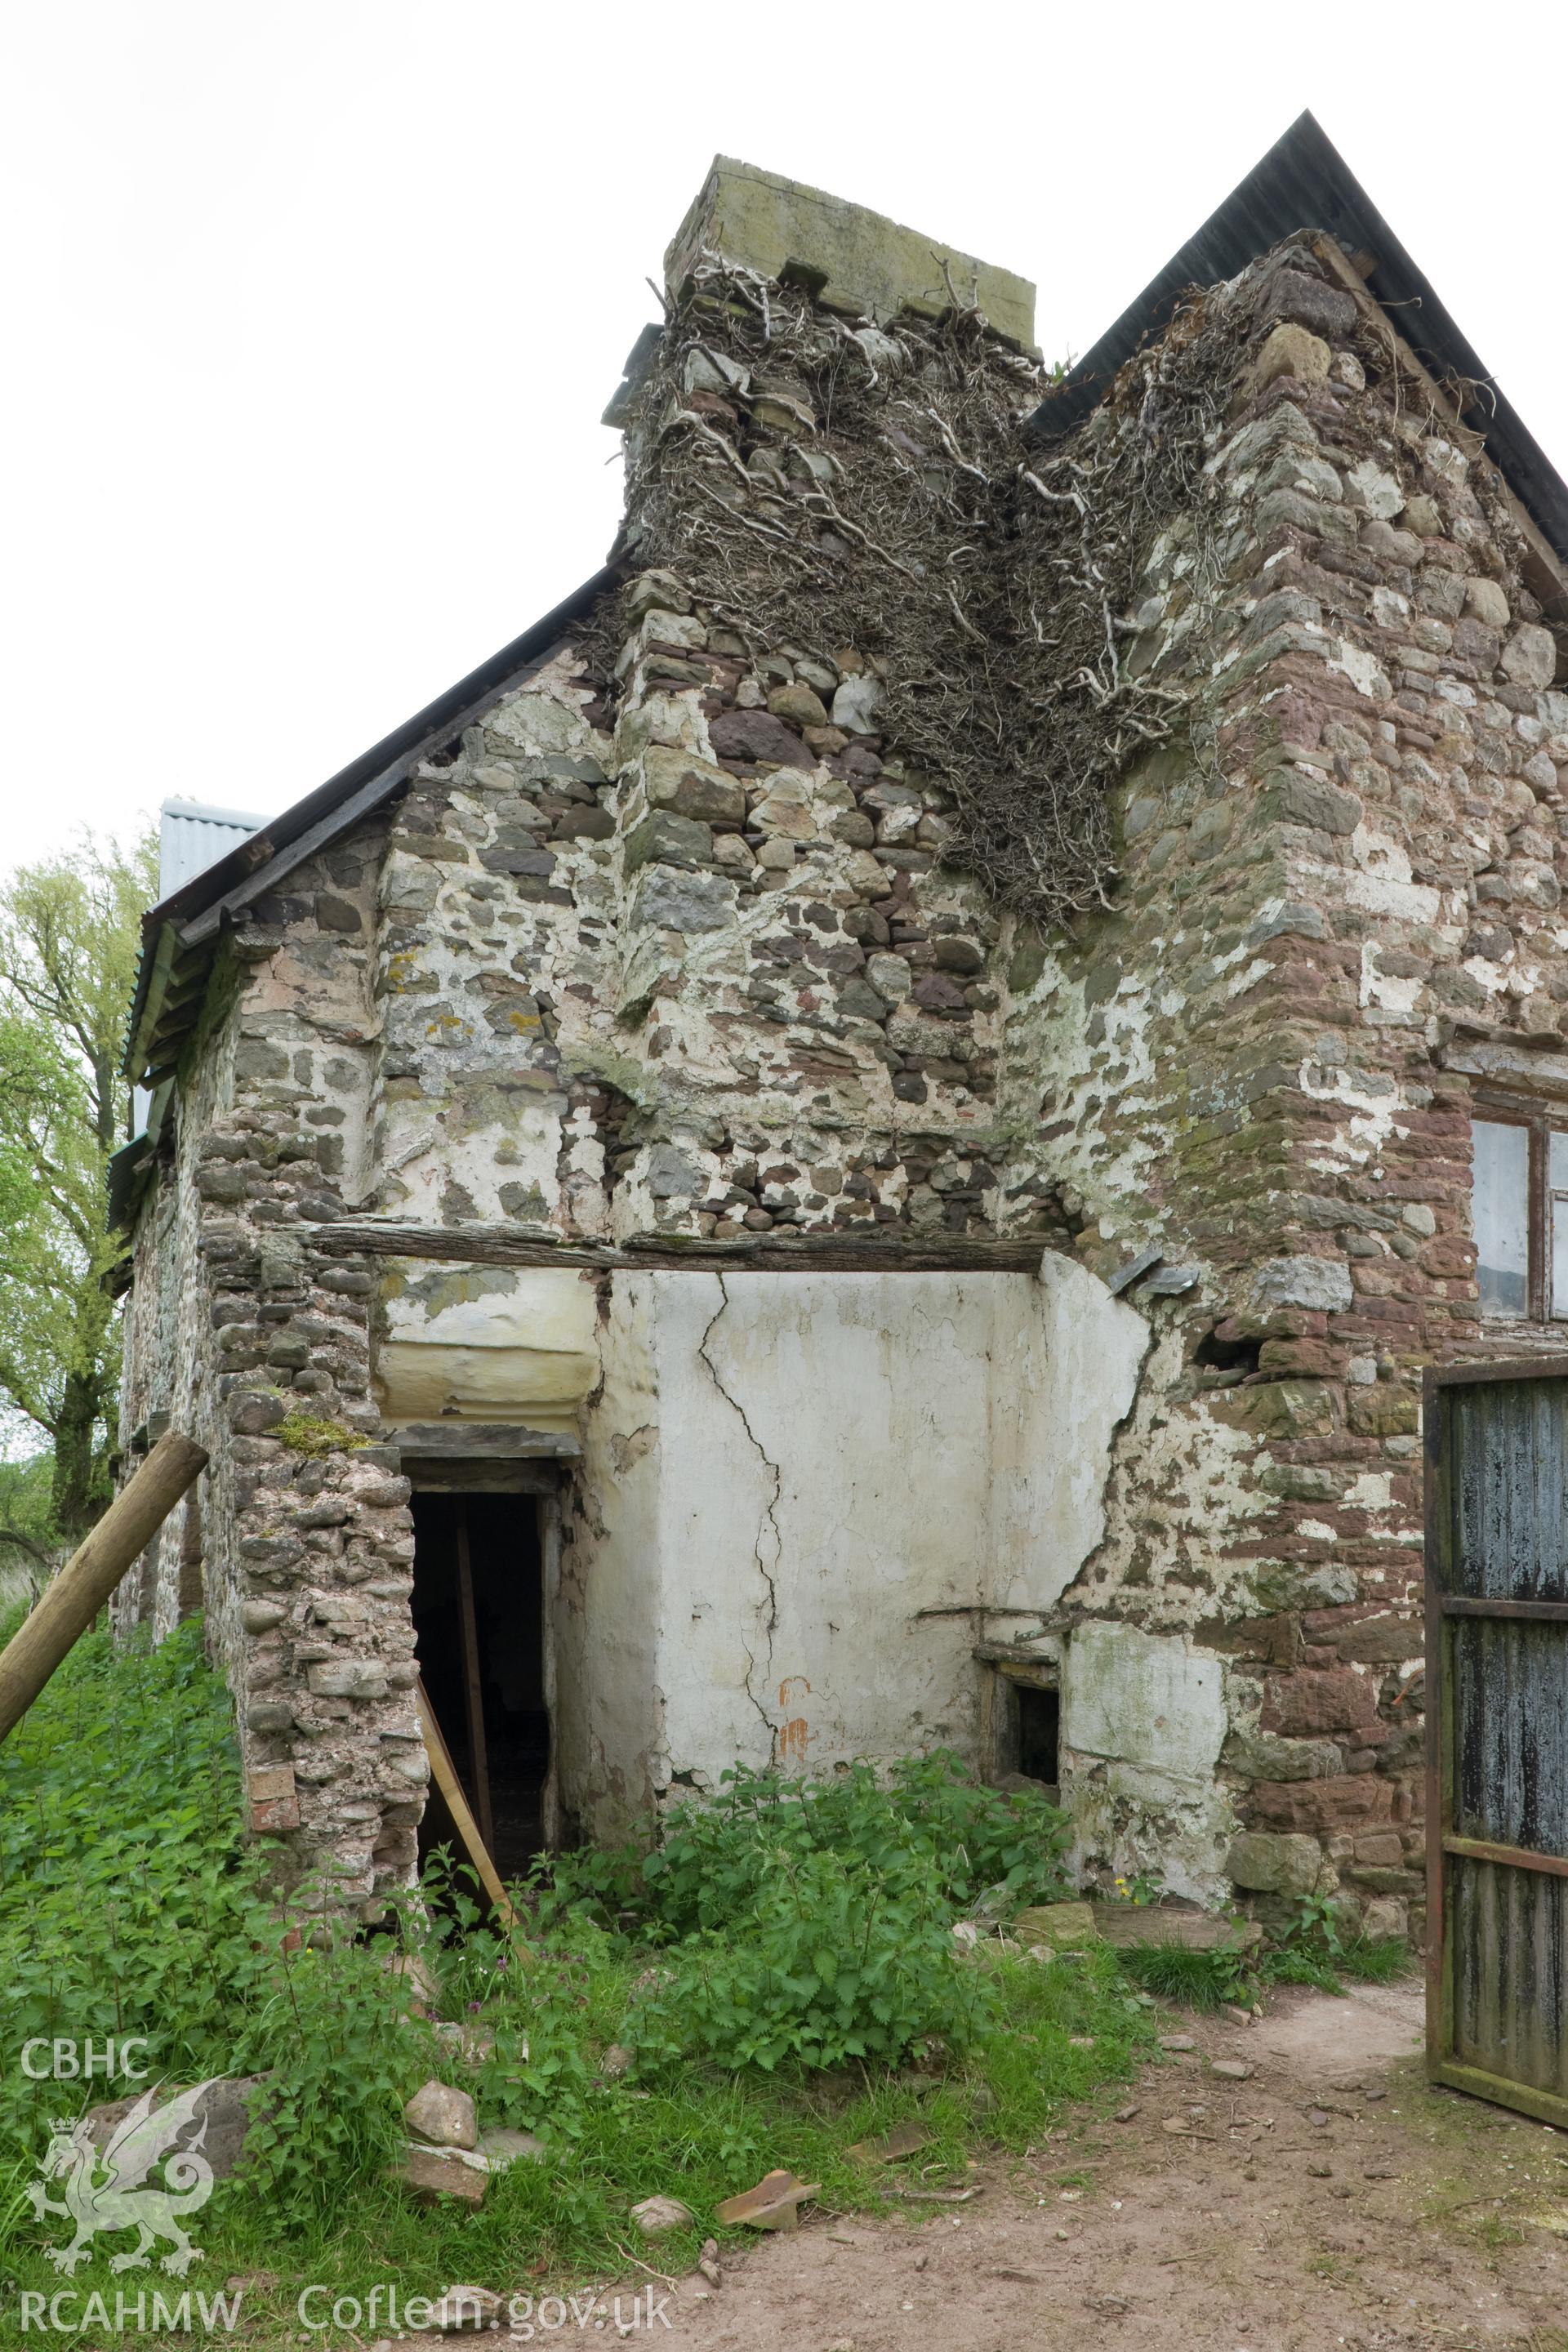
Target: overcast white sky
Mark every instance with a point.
(311, 310)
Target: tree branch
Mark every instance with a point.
(25, 1543)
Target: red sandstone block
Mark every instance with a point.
(1344, 1804)
(1307, 1703)
(1313, 1358)
(1387, 1640)
(278, 1813)
(1372, 1279)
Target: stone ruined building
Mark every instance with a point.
(884, 1110)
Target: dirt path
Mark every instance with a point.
(1330, 2198)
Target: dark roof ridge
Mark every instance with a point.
(1304, 184)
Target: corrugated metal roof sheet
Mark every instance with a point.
(1304, 183)
(191, 836)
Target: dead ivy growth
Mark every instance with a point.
(819, 485)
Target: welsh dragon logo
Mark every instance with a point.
(106, 2189)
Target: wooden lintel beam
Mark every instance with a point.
(472, 1441)
(664, 1253)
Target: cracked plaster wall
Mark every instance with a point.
(786, 1475)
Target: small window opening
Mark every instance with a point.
(478, 1624)
(1518, 1213)
(1501, 1213)
(1039, 1734)
(1216, 1355)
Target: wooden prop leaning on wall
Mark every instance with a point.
(73, 1600)
(452, 1789)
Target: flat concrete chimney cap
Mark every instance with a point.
(853, 260)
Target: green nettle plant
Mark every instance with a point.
(929, 1819)
(810, 1922)
(763, 1969)
(119, 1858)
(328, 2027)
(831, 1961)
(766, 1968)
(129, 1907)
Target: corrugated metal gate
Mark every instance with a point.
(1497, 1718)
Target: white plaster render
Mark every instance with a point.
(1064, 1378)
(812, 1464)
(492, 1344)
(1149, 1700)
(1145, 1716)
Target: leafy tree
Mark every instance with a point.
(68, 944)
(27, 1522)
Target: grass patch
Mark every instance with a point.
(1323, 1959)
(781, 1968)
(698, 2137)
(119, 1855)
(1375, 1959)
(1313, 1951)
(1200, 1980)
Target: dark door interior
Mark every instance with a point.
(478, 1623)
(1039, 1734)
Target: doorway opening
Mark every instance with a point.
(1024, 1721)
(478, 1623)
(1039, 1734)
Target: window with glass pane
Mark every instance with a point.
(1557, 1220)
(1502, 1215)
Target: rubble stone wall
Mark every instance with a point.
(1332, 919)
(305, 1537)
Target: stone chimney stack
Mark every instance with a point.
(849, 258)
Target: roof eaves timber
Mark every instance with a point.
(1304, 184)
(181, 931)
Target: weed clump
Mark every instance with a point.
(779, 1970)
(810, 1922)
(1314, 1950)
(313, 1436)
(132, 1905)
(1202, 1981)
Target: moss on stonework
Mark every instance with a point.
(305, 1433)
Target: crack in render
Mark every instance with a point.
(769, 1521)
(1121, 1428)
